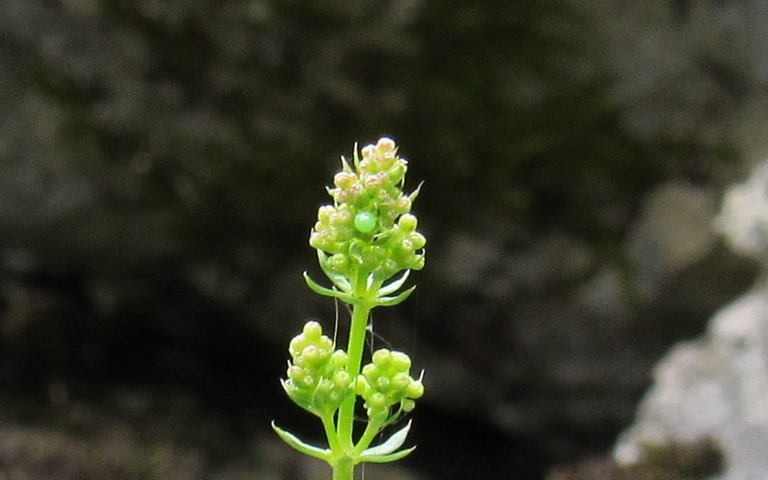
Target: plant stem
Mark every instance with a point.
(355, 348)
(344, 470)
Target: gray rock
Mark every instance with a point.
(673, 232)
(717, 386)
(714, 387)
(743, 218)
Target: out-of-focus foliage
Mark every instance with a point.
(166, 129)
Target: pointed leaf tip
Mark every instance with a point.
(298, 444)
(392, 457)
(390, 301)
(391, 444)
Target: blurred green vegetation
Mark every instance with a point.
(211, 125)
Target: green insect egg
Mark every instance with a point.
(365, 222)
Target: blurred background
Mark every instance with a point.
(162, 161)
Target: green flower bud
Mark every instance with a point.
(311, 355)
(342, 379)
(403, 205)
(385, 145)
(369, 370)
(338, 263)
(408, 222)
(367, 152)
(344, 180)
(373, 182)
(405, 248)
(312, 331)
(339, 359)
(294, 372)
(341, 218)
(401, 362)
(415, 390)
(417, 240)
(401, 381)
(362, 387)
(382, 358)
(397, 172)
(382, 383)
(324, 214)
(377, 400)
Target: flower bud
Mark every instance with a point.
(377, 400)
(373, 182)
(407, 222)
(417, 240)
(338, 263)
(341, 218)
(382, 383)
(297, 344)
(401, 381)
(311, 355)
(385, 145)
(312, 331)
(397, 172)
(401, 362)
(339, 359)
(403, 204)
(368, 151)
(342, 379)
(324, 213)
(415, 390)
(294, 372)
(361, 386)
(405, 247)
(369, 370)
(382, 358)
(344, 180)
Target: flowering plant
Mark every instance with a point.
(363, 240)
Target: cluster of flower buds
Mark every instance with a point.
(317, 377)
(386, 383)
(369, 227)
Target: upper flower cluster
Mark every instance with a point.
(369, 228)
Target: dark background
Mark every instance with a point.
(161, 163)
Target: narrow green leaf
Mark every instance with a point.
(395, 285)
(303, 447)
(391, 444)
(320, 290)
(415, 193)
(356, 158)
(392, 457)
(390, 301)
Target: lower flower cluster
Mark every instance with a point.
(386, 383)
(318, 381)
(317, 377)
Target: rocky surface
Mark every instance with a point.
(717, 386)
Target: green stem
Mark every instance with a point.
(367, 437)
(330, 432)
(355, 349)
(344, 470)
